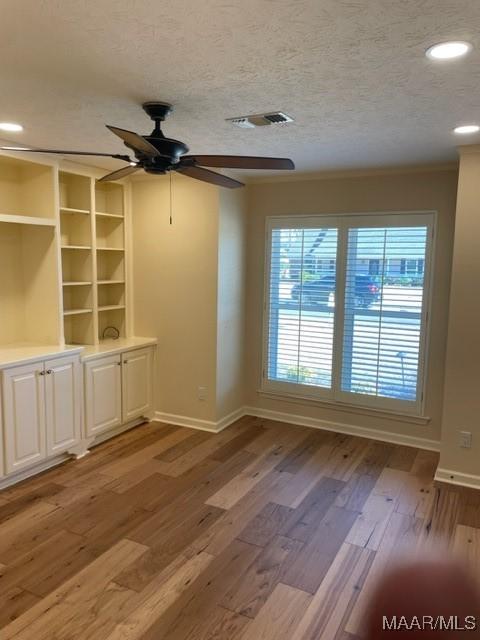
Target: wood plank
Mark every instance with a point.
(229, 449)
(14, 603)
(466, 547)
(160, 599)
(249, 592)
(336, 595)
(119, 467)
(166, 545)
(57, 610)
(313, 562)
(397, 544)
(239, 486)
(370, 524)
(267, 523)
(48, 565)
(279, 616)
(304, 520)
(203, 450)
(232, 523)
(402, 458)
(17, 505)
(183, 447)
(195, 604)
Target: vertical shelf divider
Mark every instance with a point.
(93, 227)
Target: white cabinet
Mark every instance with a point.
(118, 389)
(136, 383)
(63, 394)
(103, 394)
(24, 416)
(41, 410)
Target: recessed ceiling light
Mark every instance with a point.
(467, 128)
(448, 50)
(10, 126)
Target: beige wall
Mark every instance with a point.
(462, 374)
(413, 191)
(175, 288)
(231, 301)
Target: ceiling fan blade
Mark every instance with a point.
(65, 152)
(119, 173)
(135, 141)
(241, 162)
(199, 173)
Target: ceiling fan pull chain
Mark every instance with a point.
(170, 174)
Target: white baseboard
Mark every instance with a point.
(305, 421)
(196, 423)
(349, 429)
(459, 479)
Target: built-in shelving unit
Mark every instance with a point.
(28, 253)
(62, 253)
(92, 228)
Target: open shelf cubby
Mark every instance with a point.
(111, 295)
(110, 265)
(26, 189)
(77, 299)
(29, 284)
(109, 199)
(110, 233)
(79, 329)
(111, 318)
(75, 193)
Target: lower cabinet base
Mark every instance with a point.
(78, 451)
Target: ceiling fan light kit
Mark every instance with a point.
(156, 154)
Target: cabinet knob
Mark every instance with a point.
(125, 361)
(49, 371)
(41, 373)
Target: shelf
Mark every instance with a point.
(13, 219)
(111, 307)
(76, 312)
(110, 249)
(111, 282)
(76, 246)
(77, 283)
(85, 212)
(102, 214)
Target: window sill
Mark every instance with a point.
(343, 406)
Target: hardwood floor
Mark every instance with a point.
(265, 531)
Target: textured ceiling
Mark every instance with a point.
(351, 72)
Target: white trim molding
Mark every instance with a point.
(455, 477)
(304, 421)
(196, 423)
(349, 429)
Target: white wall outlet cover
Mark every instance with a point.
(465, 439)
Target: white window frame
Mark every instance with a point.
(343, 222)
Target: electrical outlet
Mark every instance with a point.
(465, 439)
(202, 393)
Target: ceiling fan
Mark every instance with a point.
(157, 154)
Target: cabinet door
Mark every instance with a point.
(136, 383)
(24, 416)
(63, 396)
(103, 394)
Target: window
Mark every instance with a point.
(346, 308)
(412, 267)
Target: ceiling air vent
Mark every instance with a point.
(260, 120)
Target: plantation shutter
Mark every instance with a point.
(382, 323)
(345, 308)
